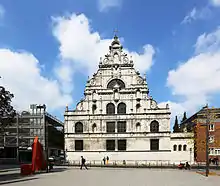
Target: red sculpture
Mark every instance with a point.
(38, 160)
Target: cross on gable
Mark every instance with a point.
(115, 31)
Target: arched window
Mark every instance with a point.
(184, 147)
(174, 147)
(138, 106)
(121, 108)
(110, 109)
(94, 127)
(94, 107)
(78, 127)
(116, 82)
(138, 127)
(154, 126)
(179, 147)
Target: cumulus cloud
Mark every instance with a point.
(197, 14)
(21, 74)
(2, 11)
(196, 80)
(208, 42)
(105, 5)
(81, 46)
(175, 108)
(215, 2)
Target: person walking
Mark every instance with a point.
(188, 166)
(83, 163)
(104, 160)
(107, 159)
(216, 160)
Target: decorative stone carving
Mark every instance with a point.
(140, 80)
(92, 82)
(79, 106)
(153, 104)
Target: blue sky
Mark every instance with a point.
(49, 48)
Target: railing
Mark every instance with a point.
(125, 162)
(138, 164)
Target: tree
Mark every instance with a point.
(184, 117)
(176, 126)
(7, 112)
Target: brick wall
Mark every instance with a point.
(200, 141)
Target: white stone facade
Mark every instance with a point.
(117, 117)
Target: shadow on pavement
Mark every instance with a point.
(54, 170)
(16, 181)
(14, 177)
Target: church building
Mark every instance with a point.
(117, 118)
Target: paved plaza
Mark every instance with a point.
(112, 177)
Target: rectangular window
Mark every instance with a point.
(121, 126)
(211, 139)
(211, 151)
(154, 144)
(78, 145)
(211, 127)
(110, 127)
(110, 145)
(122, 145)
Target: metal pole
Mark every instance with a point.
(45, 136)
(207, 141)
(17, 120)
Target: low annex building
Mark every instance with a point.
(117, 118)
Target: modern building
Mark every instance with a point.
(197, 123)
(117, 118)
(17, 139)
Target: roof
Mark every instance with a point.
(53, 120)
(200, 113)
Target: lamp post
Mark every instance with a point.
(207, 141)
(43, 107)
(207, 115)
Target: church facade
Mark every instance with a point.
(117, 118)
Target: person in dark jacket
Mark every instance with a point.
(107, 159)
(104, 160)
(188, 166)
(83, 163)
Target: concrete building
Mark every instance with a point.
(197, 124)
(117, 118)
(17, 139)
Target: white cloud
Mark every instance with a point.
(215, 2)
(64, 72)
(21, 74)
(197, 14)
(196, 80)
(208, 42)
(105, 5)
(82, 47)
(176, 110)
(2, 11)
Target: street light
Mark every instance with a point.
(207, 139)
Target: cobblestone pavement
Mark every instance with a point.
(115, 177)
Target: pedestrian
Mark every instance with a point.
(83, 163)
(104, 160)
(216, 160)
(187, 166)
(107, 159)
